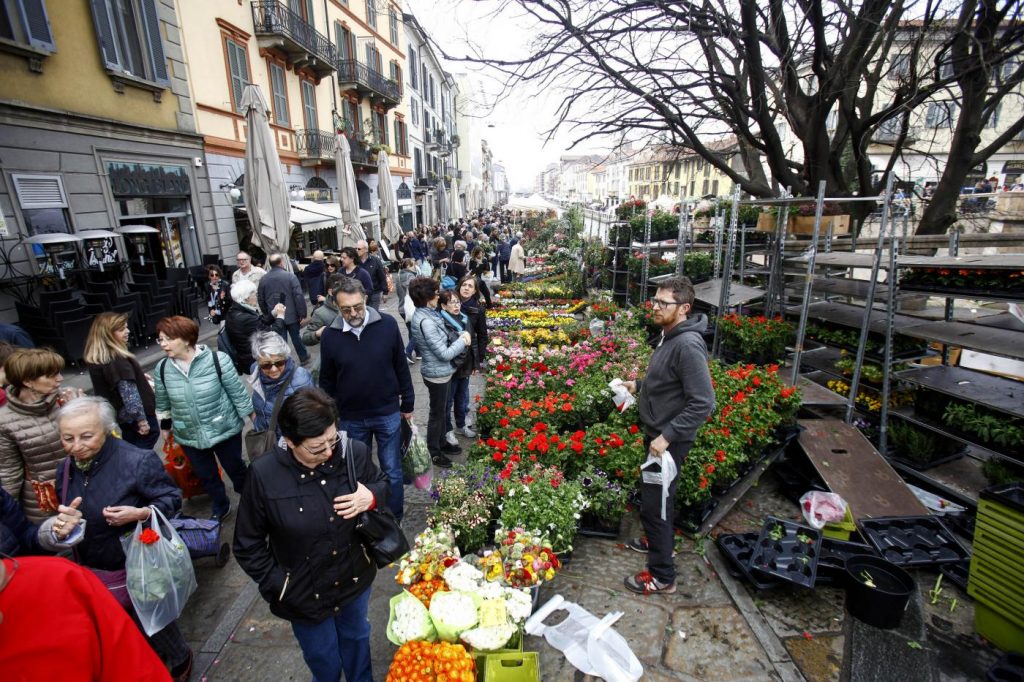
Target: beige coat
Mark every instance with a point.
(517, 260)
(29, 449)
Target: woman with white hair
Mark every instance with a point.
(245, 319)
(275, 371)
(117, 483)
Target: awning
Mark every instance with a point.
(331, 210)
(1013, 166)
(307, 220)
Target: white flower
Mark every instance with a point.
(488, 639)
(463, 577)
(411, 620)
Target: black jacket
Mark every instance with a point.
(242, 323)
(378, 276)
(106, 377)
(121, 474)
(316, 282)
(478, 329)
(281, 286)
(307, 560)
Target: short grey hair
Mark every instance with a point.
(242, 290)
(267, 345)
(89, 404)
(460, 245)
(348, 285)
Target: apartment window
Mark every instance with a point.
(941, 114)
(129, 37)
(423, 79)
(44, 208)
(417, 163)
(371, 13)
(393, 25)
(346, 43)
(648, 174)
(993, 119)
(1005, 72)
(401, 138)
(714, 187)
(432, 92)
(304, 8)
(350, 113)
(414, 111)
(704, 192)
(413, 71)
(309, 105)
(25, 22)
(946, 69)
(380, 127)
(277, 86)
(238, 68)
(396, 73)
(693, 187)
(373, 58)
(890, 128)
(900, 67)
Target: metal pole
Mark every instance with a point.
(719, 227)
(883, 415)
(645, 270)
(808, 284)
(869, 303)
(723, 292)
(684, 225)
(777, 276)
(947, 315)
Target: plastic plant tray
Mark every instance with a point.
(957, 573)
(911, 541)
(832, 559)
(737, 548)
(788, 551)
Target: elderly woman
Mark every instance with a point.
(459, 261)
(115, 483)
(29, 442)
(295, 536)
(437, 352)
(517, 259)
(218, 299)
(205, 403)
(245, 319)
(275, 370)
(117, 376)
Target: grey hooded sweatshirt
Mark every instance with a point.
(676, 395)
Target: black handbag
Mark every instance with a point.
(377, 528)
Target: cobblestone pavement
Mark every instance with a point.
(713, 628)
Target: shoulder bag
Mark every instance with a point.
(377, 528)
(260, 442)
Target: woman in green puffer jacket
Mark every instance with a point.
(200, 397)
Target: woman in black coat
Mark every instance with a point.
(218, 294)
(295, 535)
(245, 319)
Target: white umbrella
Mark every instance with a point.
(456, 201)
(348, 196)
(442, 202)
(266, 194)
(388, 199)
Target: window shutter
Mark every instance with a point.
(40, 191)
(156, 45)
(37, 24)
(105, 34)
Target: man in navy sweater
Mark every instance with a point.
(364, 368)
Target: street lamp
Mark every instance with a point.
(233, 190)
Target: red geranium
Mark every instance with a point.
(149, 536)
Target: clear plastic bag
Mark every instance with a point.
(819, 508)
(160, 573)
(416, 464)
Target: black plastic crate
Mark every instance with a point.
(737, 549)
(912, 541)
(788, 551)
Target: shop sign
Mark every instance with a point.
(1014, 166)
(145, 180)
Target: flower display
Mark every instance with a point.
(424, 590)
(452, 613)
(758, 338)
(433, 550)
(420, 661)
(541, 498)
(409, 620)
(990, 280)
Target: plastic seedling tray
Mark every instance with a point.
(833, 556)
(913, 540)
(738, 548)
(788, 551)
(957, 573)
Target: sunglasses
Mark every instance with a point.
(277, 364)
(214, 276)
(348, 310)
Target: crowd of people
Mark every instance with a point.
(78, 472)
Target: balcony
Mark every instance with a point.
(314, 146)
(426, 183)
(367, 82)
(883, 136)
(360, 154)
(276, 26)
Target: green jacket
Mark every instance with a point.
(204, 409)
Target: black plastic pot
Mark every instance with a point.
(1009, 668)
(883, 605)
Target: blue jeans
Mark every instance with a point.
(300, 348)
(410, 347)
(340, 643)
(388, 434)
(458, 398)
(204, 463)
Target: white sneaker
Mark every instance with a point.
(466, 431)
(450, 438)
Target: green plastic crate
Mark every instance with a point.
(840, 530)
(989, 515)
(514, 646)
(986, 584)
(521, 666)
(991, 625)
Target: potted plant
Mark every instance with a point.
(801, 221)
(702, 213)
(756, 339)
(465, 498)
(542, 499)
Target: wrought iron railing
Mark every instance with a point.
(359, 152)
(314, 144)
(273, 16)
(426, 182)
(351, 71)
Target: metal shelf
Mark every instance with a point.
(834, 286)
(841, 260)
(710, 293)
(994, 340)
(975, 261)
(977, 450)
(997, 393)
(853, 316)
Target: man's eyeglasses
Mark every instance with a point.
(658, 303)
(277, 364)
(352, 309)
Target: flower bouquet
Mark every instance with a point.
(521, 559)
(420, 661)
(433, 550)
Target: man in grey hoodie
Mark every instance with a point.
(676, 397)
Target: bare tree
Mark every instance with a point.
(803, 85)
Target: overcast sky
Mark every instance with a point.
(517, 138)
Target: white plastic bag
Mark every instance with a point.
(819, 508)
(589, 643)
(160, 573)
(659, 471)
(408, 308)
(620, 395)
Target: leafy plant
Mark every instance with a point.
(776, 532)
(757, 337)
(916, 444)
(988, 426)
(465, 497)
(999, 472)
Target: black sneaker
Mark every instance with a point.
(641, 545)
(441, 461)
(645, 583)
(450, 449)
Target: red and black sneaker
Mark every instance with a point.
(645, 583)
(641, 545)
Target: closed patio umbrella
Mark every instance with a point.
(266, 194)
(456, 201)
(442, 202)
(388, 199)
(348, 197)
